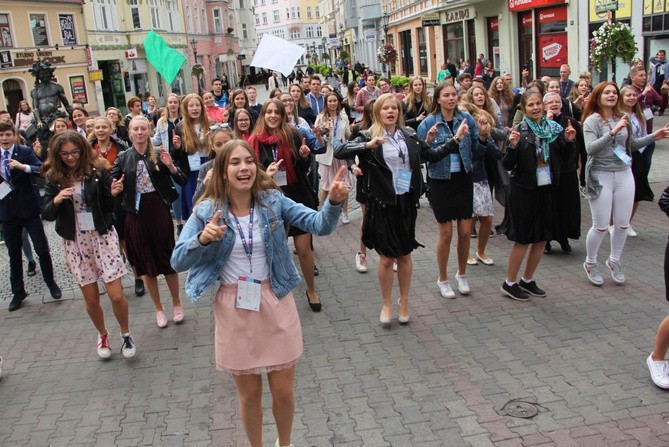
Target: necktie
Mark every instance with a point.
(5, 166)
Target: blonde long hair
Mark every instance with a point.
(377, 129)
(191, 142)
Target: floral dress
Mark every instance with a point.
(91, 256)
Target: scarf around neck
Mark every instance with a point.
(547, 131)
(284, 152)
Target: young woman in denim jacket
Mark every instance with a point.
(237, 236)
(450, 180)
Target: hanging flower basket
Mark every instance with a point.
(197, 70)
(611, 41)
(386, 54)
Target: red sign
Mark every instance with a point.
(89, 58)
(494, 24)
(558, 14)
(526, 19)
(519, 5)
(552, 50)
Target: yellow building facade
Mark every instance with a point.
(52, 31)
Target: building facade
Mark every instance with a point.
(57, 34)
(116, 30)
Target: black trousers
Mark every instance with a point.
(12, 232)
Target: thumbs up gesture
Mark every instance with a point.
(213, 231)
(304, 149)
(117, 186)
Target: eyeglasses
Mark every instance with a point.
(219, 126)
(73, 154)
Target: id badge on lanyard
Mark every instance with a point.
(403, 181)
(5, 188)
(249, 291)
(543, 175)
(85, 214)
(621, 153)
(456, 165)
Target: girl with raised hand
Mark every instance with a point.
(79, 197)
(236, 238)
(146, 197)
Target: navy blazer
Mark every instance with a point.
(24, 200)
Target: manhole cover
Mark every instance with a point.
(517, 409)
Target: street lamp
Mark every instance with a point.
(193, 44)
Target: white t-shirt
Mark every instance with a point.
(238, 262)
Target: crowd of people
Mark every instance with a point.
(192, 185)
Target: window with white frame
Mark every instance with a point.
(134, 13)
(318, 11)
(308, 12)
(275, 13)
(196, 20)
(154, 7)
(288, 13)
(5, 32)
(264, 18)
(104, 12)
(245, 33)
(298, 13)
(310, 31)
(257, 19)
(38, 27)
(293, 15)
(203, 17)
(172, 15)
(189, 18)
(218, 21)
(67, 29)
(319, 31)
(280, 33)
(295, 33)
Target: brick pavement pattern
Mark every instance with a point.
(443, 380)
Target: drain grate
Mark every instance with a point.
(520, 409)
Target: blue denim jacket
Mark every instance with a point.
(205, 262)
(441, 170)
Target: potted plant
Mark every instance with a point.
(197, 70)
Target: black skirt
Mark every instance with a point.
(530, 215)
(300, 193)
(567, 208)
(149, 237)
(452, 199)
(391, 229)
(642, 190)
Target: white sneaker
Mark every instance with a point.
(345, 219)
(659, 372)
(395, 265)
(361, 262)
(128, 349)
(631, 232)
(104, 350)
(445, 289)
(463, 285)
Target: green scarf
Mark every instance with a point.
(547, 131)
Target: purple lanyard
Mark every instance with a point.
(248, 247)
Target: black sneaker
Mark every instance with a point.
(531, 288)
(32, 268)
(514, 292)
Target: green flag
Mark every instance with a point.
(166, 60)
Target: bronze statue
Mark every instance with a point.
(47, 98)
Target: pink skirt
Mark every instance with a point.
(249, 342)
(328, 173)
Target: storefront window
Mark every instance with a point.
(525, 43)
(422, 51)
(407, 52)
(552, 40)
(454, 45)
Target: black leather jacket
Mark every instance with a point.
(522, 160)
(126, 164)
(97, 196)
(379, 178)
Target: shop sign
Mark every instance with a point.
(370, 34)
(494, 25)
(78, 88)
(647, 7)
(624, 10)
(26, 59)
(458, 15)
(67, 29)
(658, 6)
(241, 57)
(89, 58)
(553, 50)
(430, 19)
(558, 14)
(131, 53)
(526, 21)
(5, 59)
(334, 42)
(604, 6)
(519, 5)
(95, 75)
